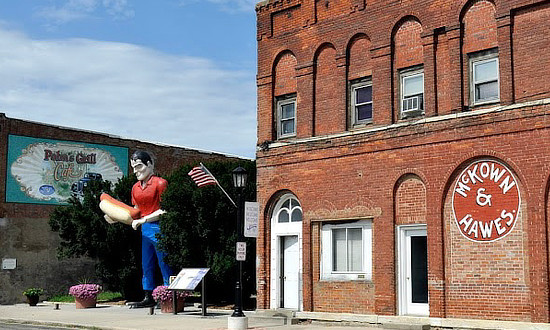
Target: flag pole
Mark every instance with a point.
(218, 184)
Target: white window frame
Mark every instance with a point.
(282, 101)
(355, 85)
(294, 206)
(327, 272)
(481, 58)
(403, 77)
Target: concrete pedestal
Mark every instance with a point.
(237, 323)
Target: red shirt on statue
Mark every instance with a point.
(148, 199)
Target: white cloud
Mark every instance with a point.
(128, 90)
(72, 10)
(228, 5)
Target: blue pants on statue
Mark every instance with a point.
(151, 256)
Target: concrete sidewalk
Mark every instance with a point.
(122, 318)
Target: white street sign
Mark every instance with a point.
(251, 218)
(241, 251)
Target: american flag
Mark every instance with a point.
(202, 176)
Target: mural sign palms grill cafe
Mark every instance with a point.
(486, 201)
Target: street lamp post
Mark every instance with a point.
(239, 182)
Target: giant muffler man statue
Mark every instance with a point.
(146, 194)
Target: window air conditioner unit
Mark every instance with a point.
(411, 103)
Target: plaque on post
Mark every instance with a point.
(188, 279)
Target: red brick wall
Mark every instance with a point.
(410, 203)
(358, 175)
(360, 184)
(480, 27)
(331, 8)
(408, 45)
(531, 33)
(327, 93)
(360, 65)
(285, 75)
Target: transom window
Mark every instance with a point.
(286, 116)
(484, 87)
(412, 92)
(347, 251)
(290, 211)
(361, 102)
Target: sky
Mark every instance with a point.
(177, 72)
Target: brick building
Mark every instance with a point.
(404, 157)
(31, 150)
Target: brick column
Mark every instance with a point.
(263, 253)
(455, 76)
(436, 252)
(304, 107)
(341, 107)
(384, 256)
(428, 43)
(383, 113)
(538, 256)
(504, 34)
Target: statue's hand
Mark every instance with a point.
(137, 223)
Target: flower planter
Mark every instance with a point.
(163, 296)
(32, 300)
(85, 295)
(166, 306)
(85, 303)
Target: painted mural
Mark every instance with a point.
(486, 201)
(51, 171)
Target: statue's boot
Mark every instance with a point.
(147, 301)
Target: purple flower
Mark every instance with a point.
(161, 293)
(85, 291)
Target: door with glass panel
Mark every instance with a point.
(413, 270)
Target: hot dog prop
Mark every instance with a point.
(117, 210)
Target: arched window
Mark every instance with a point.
(289, 210)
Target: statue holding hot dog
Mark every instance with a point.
(146, 195)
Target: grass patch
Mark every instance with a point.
(109, 296)
(103, 297)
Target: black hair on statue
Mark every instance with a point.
(143, 156)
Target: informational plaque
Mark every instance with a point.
(251, 216)
(8, 263)
(188, 278)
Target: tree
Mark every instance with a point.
(84, 232)
(198, 231)
(199, 228)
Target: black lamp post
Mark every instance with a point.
(239, 182)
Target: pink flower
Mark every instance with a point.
(85, 291)
(161, 293)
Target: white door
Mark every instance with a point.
(290, 272)
(413, 271)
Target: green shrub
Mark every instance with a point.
(33, 292)
(84, 232)
(199, 228)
